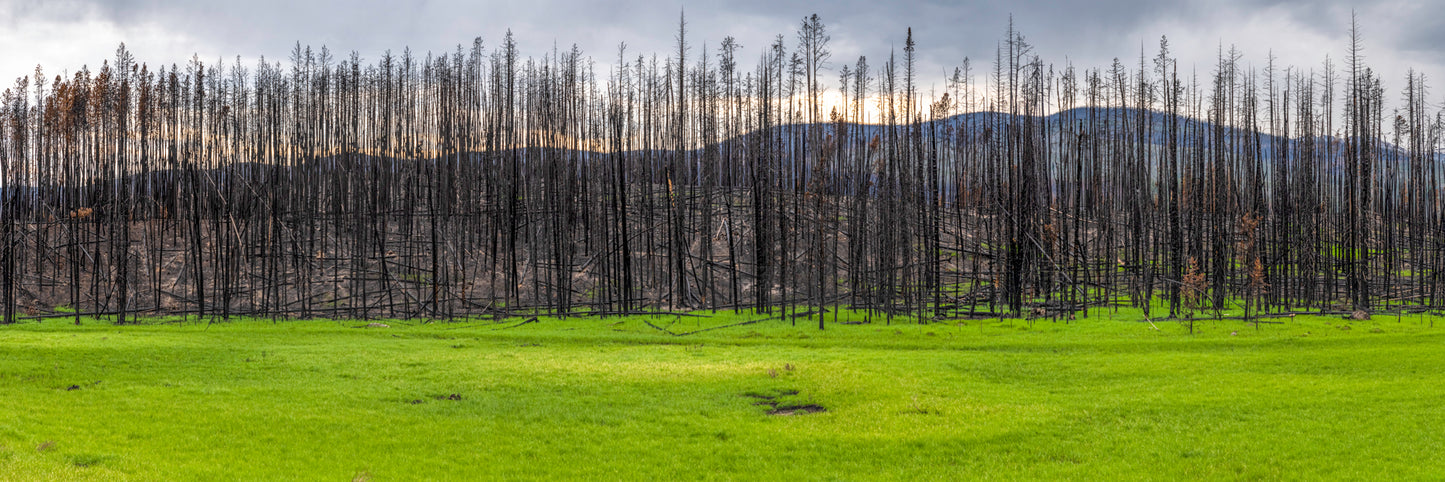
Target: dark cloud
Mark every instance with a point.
(1424, 35)
(1088, 34)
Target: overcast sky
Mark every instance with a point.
(63, 35)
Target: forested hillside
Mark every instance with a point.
(773, 177)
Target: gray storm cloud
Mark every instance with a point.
(64, 34)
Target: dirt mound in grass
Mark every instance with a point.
(797, 409)
(776, 406)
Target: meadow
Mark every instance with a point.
(652, 398)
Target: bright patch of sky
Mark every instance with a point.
(64, 35)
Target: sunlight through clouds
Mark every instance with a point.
(66, 36)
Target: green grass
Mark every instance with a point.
(1101, 398)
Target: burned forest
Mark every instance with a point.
(773, 178)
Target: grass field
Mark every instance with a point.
(1098, 398)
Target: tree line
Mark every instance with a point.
(481, 183)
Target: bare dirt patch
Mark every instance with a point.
(777, 404)
(797, 409)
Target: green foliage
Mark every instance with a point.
(1104, 398)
